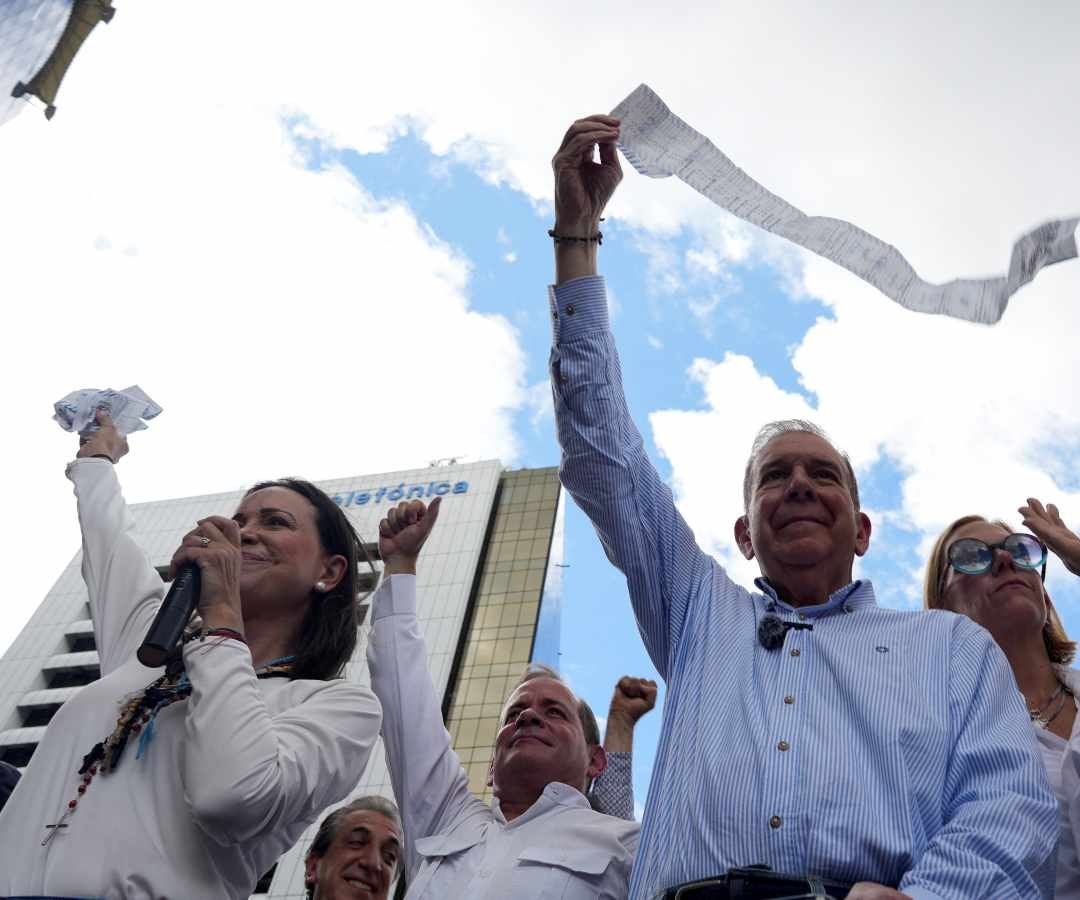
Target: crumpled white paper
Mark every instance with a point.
(128, 409)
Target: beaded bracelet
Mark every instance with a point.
(597, 238)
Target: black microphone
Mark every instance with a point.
(171, 618)
(772, 630)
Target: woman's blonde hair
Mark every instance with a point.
(1058, 646)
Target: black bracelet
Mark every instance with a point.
(597, 238)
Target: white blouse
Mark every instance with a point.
(1062, 760)
(231, 779)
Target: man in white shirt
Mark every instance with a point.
(539, 837)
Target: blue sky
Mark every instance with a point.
(503, 236)
(301, 251)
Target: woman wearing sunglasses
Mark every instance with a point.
(987, 572)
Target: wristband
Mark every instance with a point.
(597, 238)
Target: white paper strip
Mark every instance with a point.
(659, 144)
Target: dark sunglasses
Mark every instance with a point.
(974, 557)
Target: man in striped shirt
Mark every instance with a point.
(881, 748)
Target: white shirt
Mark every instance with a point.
(1062, 759)
(456, 846)
(232, 777)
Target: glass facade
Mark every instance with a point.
(499, 640)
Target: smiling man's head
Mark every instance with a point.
(356, 852)
(801, 504)
(546, 734)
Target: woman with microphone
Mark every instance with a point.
(190, 780)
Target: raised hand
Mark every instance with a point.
(106, 441)
(403, 533)
(1046, 524)
(633, 698)
(582, 186)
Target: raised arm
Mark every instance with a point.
(1046, 523)
(604, 465)
(123, 587)
(996, 789)
(613, 791)
(431, 787)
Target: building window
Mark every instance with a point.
(38, 716)
(17, 755)
(81, 643)
(83, 675)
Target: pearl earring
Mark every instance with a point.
(320, 586)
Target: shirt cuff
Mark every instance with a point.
(210, 650)
(84, 462)
(396, 596)
(578, 307)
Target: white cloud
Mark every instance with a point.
(159, 229)
(704, 261)
(510, 257)
(707, 448)
(654, 342)
(539, 404)
(288, 321)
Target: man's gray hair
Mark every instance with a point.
(772, 430)
(324, 837)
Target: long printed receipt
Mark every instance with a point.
(659, 144)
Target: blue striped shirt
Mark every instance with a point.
(884, 745)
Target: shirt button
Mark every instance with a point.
(564, 378)
(848, 609)
(555, 314)
(782, 746)
(802, 617)
(789, 699)
(795, 652)
(775, 822)
(570, 309)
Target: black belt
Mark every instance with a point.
(758, 883)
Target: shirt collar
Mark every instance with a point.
(555, 794)
(850, 597)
